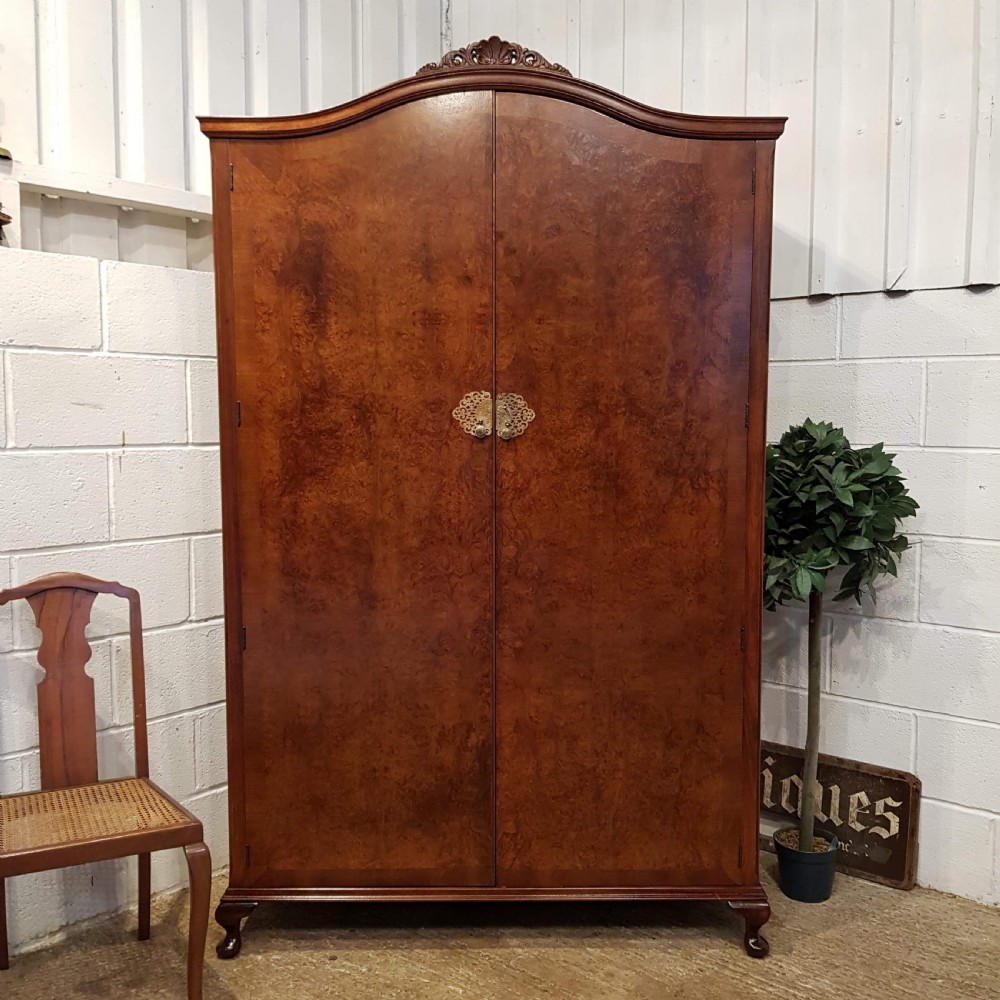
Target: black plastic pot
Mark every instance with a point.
(806, 875)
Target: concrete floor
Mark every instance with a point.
(868, 941)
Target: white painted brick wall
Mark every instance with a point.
(158, 310)
(67, 400)
(912, 681)
(49, 301)
(108, 467)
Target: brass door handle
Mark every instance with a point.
(513, 415)
(475, 414)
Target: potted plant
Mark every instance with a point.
(829, 507)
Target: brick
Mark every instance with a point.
(927, 667)
(963, 403)
(212, 808)
(960, 584)
(784, 646)
(932, 322)
(206, 584)
(78, 399)
(873, 734)
(185, 668)
(171, 754)
(804, 329)
(895, 596)
(158, 310)
(39, 905)
(169, 869)
(165, 492)
(31, 770)
(3, 400)
(958, 492)
(959, 761)
(19, 696)
(11, 776)
(55, 499)
(49, 300)
(210, 748)
(872, 402)
(204, 403)
(956, 851)
(158, 570)
(7, 611)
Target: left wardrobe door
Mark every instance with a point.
(362, 297)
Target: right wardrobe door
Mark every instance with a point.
(623, 318)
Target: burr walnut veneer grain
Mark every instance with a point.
(520, 665)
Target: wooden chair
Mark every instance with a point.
(75, 819)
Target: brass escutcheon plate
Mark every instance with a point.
(475, 414)
(513, 415)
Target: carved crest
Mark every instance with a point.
(493, 51)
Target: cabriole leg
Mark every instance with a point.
(229, 915)
(755, 915)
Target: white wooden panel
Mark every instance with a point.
(942, 142)
(149, 238)
(332, 68)
(380, 43)
(602, 43)
(18, 88)
(150, 46)
(216, 61)
(199, 245)
(551, 29)
(851, 128)
(10, 199)
(897, 223)
(780, 82)
(420, 34)
(76, 79)
(472, 20)
(274, 57)
(984, 236)
(31, 220)
(715, 45)
(83, 228)
(654, 52)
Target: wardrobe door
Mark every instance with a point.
(363, 303)
(623, 309)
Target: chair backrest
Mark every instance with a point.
(67, 718)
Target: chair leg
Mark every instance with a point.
(4, 957)
(144, 897)
(200, 874)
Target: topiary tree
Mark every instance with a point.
(829, 506)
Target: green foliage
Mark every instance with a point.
(830, 505)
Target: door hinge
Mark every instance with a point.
(230, 177)
(243, 637)
(746, 415)
(753, 179)
(239, 413)
(743, 638)
(248, 854)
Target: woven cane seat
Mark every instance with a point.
(87, 812)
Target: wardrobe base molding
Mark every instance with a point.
(749, 902)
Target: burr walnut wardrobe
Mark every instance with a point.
(492, 363)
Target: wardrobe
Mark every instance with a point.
(492, 368)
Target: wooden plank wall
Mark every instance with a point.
(888, 175)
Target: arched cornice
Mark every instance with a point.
(500, 66)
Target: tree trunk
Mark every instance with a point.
(809, 784)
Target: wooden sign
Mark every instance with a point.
(873, 811)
